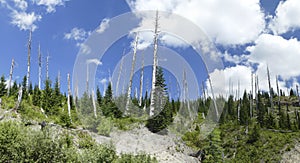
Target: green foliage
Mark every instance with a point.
(36, 97)
(98, 153)
(141, 158)
(3, 90)
(21, 144)
(165, 117)
(105, 126)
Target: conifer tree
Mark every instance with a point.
(2, 86)
(244, 117)
(165, 117)
(99, 96)
(36, 97)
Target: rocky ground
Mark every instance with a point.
(166, 148)
(292, 156)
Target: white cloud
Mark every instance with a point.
(50, 4)
(287, 17)
(223, 21)
(280, 54)
(103, 25)
(25, 21)
(21, 4)
(233, 76)
(77, 34)
(95, 61)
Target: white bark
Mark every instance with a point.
(131, 75)
(69, 97)
(270, 88)
(47, 67)
(94, 103)
(278, 92)
(20, 93)
(151, 113)
(141, 83)
(28, 62)
(10, 76)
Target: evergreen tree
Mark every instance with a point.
(292, 92)
(270, 123)
(254, 134)
(244, 113)
(3, 90)
(30, 89)
(99, 96)
(36, 97)
(57, 96)
(261, 111)
(109, 108)
(14, 90)
(48, 100)
(108, 94)
(24, 90)
(165, 117)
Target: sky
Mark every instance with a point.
(248, 36)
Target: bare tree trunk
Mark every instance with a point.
(40, 67)
(213, 96)
(256, 91)
(20, 93)
(28, 62)
(94, 104)
(151, 113)
(270, 89)
(131, 75)
(278, 92)
(120, 72)
(141, 82)
(69, 97)
(47, 67)
(10, 76)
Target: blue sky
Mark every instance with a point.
(249, 35)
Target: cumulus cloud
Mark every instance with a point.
(223, 21)
(287, 17)
(77, 34)
(25, 21)
(103, 25)
(229, 77)
(50, 4)
(280, 54)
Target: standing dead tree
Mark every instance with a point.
(131, 75)
(141, 82)
(10, 76)
(47, 67)
(40, 67)
(28, 61)
(69, 97)
(278, 92)
(270, 89)
(155, 63)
